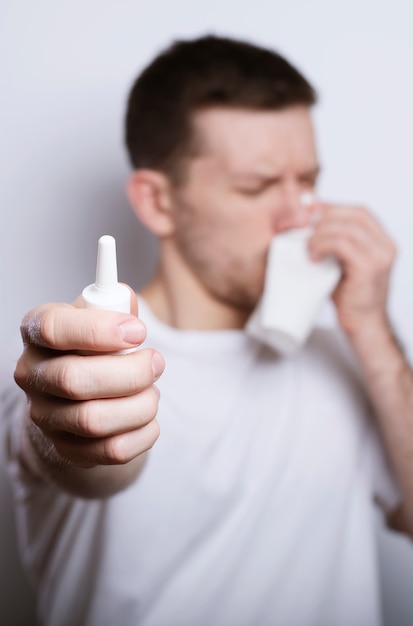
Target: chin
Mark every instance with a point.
(242, 297)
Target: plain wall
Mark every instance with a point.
(65, 69)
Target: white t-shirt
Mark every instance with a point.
(255, 507)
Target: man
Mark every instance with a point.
(255, 506)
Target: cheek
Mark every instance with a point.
(226, 223)
(259, 216)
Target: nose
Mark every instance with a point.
(295, 207)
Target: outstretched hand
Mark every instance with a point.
(95, 410)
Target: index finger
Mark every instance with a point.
(65, 327)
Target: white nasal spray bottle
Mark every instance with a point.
(106, 292)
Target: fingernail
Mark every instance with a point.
(133, 331)
(158, 364)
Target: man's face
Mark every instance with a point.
(243, 187)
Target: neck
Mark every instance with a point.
(178, 299)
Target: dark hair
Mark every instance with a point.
(192, 75)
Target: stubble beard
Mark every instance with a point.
(237, 284)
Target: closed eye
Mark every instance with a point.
(257, 189)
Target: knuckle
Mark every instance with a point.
(71, 380)
(142, 373)
(87, 419)
(29, 378)
(49, 325)
(116, 450)
(30, 327)
(146, 406)
(122, 448)
(155, 431)
(152, 402)
(47, 328)
(150, 434)
(20, 375)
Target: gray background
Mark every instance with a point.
(65, 69)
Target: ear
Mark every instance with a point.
(149, 194)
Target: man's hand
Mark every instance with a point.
(366, 254)
(95, 410)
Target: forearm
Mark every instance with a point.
(41, 459)
(389, 381)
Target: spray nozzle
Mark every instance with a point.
(106, 292)
(106, 264)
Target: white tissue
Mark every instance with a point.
(295, 289)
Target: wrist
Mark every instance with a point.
(376, 346)
(368, 329)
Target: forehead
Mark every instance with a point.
(239, 139)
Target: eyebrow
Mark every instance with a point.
(265, 178)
